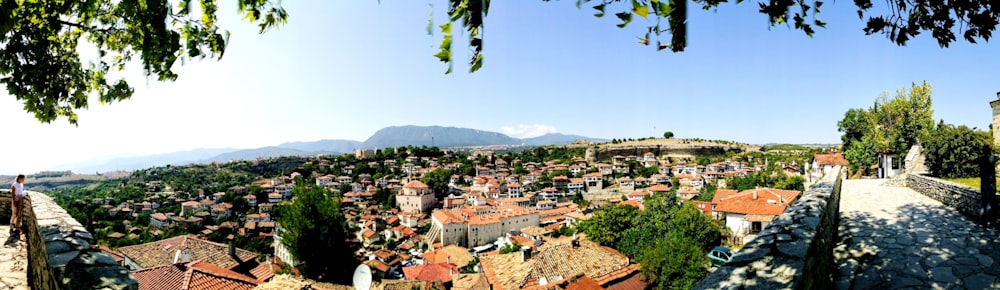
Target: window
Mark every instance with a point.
(755, 227)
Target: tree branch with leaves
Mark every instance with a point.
(41, 66)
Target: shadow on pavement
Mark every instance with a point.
(919, 246)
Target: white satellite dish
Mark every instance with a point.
(362, 277)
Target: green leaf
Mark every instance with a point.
(820, 23)
(625, 17)
(477, 63)
(640, 9)
(446, 28)
(600, 10)
(664, 9)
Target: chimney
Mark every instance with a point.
(232, 246)
(755, 192)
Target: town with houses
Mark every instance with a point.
(501, 222)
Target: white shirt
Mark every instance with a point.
(19, 189)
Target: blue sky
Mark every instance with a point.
(344, 69)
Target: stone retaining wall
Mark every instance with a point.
(61, 252)
(795, 251)
(962, 198)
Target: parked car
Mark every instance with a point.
(720, 256)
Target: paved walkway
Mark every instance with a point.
(13, 261)
(895, 238)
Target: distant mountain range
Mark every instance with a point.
(394, 136)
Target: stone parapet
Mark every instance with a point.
(795, 251)
(962, 198)
(61, 253)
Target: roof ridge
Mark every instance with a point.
(186, 278)
(153, 268)
(238, 276)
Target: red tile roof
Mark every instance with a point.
(430, 272)
(194, 275)
(830, 159)
(162, 252)
(415, 184)
(264, 271)
(659, 188)
(457, 255)
(583, 283)
(114, 254)
(744, 202)
(635, 203)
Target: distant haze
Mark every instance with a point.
(386, 137)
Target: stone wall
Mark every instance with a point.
(61, 252)
(962, 198)
(795, 251)
(5, 206)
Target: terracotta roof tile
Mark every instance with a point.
(263, 271)
(194, 275)
(415, 184)
(430, 272)
(744, 202)
(114, 254)
(162, 252)
(830, 159)
(459, 256)
(556, 258)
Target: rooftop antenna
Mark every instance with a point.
(362, 277)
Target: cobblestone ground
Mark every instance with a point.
(13, 260)
(892, 237)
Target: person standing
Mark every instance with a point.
(18, 194)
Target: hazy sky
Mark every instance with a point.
(344, 69)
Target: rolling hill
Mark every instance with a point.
(326, 145)
(558, 139)
(394, 136)
(436, 136)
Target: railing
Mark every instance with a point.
(61, 253)
(794, 251)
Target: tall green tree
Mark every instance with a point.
(41, 66)
(437, 180)
(691, 223)
(674, 262)
(668, 134)
(890, 125)
(952, 151)
(314, 231)
(607, 225)
(861, 155)
(854, 126)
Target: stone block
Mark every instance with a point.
(91, 258)
(797, 249)
(61, 259)
(109, 277)
(55, 247)
(747, 255)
